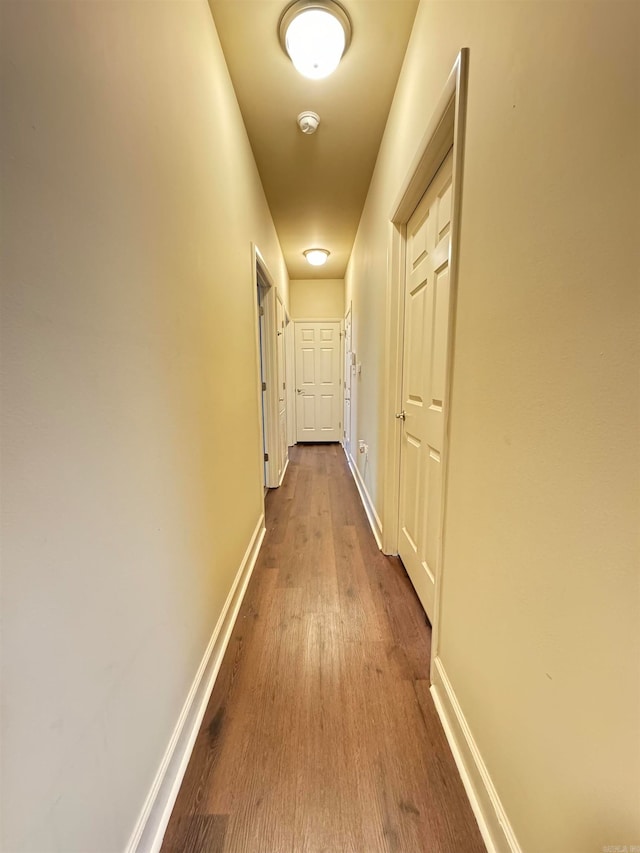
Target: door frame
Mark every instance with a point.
(289, 334)
(267, 421)
(446, 130)
(347, 373)
(283, 461)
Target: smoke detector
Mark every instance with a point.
(308, 122)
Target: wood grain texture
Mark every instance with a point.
(321, 735)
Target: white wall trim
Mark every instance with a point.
(149, 831)
(497, 833)
(284, 471)
(367, 503)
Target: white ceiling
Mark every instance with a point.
(315, 185)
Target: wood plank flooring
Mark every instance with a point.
(321, 735)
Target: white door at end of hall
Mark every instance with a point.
(318, 388)
(424, 384)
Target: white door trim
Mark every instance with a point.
(281, 386)
(261, 277)
(346, 380)
(444, 131)
(291, 381)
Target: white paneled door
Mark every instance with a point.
(281, 360)
(425, 365)
(318, 388)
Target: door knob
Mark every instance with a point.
(299, 390)
(401, 416)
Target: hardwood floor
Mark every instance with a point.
(321, 735)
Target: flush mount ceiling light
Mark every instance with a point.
(316, 257)
(315, 34)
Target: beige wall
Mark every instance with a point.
(130, 461)
(319, 298)
(540, 613)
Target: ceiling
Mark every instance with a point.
(315, 185)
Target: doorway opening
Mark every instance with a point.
(261, 293)
(271, 319)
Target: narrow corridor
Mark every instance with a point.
(321, 734)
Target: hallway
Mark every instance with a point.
(321, 734)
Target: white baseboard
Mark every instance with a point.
(149, 831)
(367, 503)
(496, 830)
(284, 471)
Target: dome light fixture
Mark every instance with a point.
(316, 257)
(315, 34)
